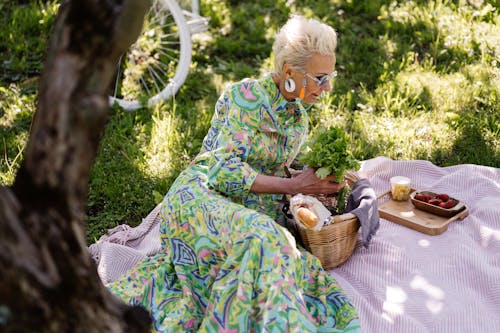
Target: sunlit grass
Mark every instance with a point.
(417, 80)
(23, 36)
(164, 154)
(16, 110)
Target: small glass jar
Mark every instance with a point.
(400, 188)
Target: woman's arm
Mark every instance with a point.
(305, 183)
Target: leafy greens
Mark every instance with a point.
(328, 150)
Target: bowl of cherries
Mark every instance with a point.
(436, 203)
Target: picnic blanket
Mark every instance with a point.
(405, 281)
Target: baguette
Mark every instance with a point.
(307, 217)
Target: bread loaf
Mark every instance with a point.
(307, 217)
(308, 212)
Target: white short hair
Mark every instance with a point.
(299, 39)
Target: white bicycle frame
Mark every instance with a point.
(196, 22)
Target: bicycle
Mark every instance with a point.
(157, 64)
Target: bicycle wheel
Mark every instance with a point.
(157, 64)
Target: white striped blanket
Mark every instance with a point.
(406, 281)
(409, 282)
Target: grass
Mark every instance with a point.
(417, 80)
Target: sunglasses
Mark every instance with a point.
(322, 80)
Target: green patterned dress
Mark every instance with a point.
(226, 265)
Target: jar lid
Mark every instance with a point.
(400, 180)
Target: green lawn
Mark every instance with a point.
(417, 80)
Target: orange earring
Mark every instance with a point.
(302, 93)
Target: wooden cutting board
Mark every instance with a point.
(405, 214)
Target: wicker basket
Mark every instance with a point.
(334, 243)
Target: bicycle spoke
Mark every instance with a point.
(115, 92)
(158, 79)
(144, 84)
(156, 22)
(167, 54)
(170, 43)
(162, 71)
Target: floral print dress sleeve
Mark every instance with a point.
(226, 147)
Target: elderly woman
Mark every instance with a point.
(226, 265)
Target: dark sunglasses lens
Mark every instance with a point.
(326, 78)
(323, 80)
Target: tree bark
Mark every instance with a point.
(48, 282)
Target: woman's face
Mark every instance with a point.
(314, 78)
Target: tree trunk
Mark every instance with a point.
(48, 282)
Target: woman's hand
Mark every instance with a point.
(308, 183)
(305, 183)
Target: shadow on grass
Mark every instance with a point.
(117, 188)
(469, 148)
